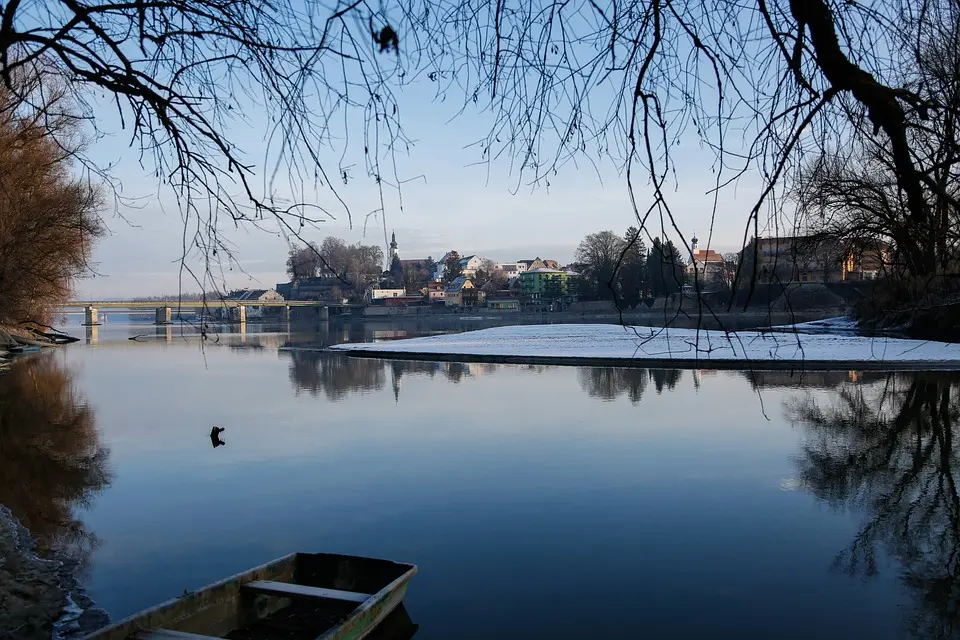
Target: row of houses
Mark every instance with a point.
(800, 259)
(538, 281)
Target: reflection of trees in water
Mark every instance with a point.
(887, 449)
(610, 383)
(51, 459)
(334, 374)
(665, 378)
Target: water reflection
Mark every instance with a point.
(335, 375)
(886, 450)
(51, 458)
(610, 383)
(808, 379)
(332, 374)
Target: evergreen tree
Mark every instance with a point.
(666, 271)
(453, 268)
(396, 271)
(632, 275)
(654, 272)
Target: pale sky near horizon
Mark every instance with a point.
(455, 206)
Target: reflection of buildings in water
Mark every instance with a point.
(457, 371)
(807, 379)
(399, 368)
(388, 334)
(51, 458)
(700, 374)
(885, 449)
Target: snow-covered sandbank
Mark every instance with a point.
(605, 344)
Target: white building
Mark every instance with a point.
(512, 269)
(470, 264)
(378, 294)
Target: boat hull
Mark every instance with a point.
(234, 603)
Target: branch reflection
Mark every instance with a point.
(887, 449)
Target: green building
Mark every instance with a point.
(547, 284)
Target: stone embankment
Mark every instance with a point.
(40, 598)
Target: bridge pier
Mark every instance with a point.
(164, 315)
(90, 318)
(239, 314)
(286, 314)
(323, 313)
(93, 334)
(166, 331)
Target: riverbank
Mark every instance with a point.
(678, 318)
(40, 598)
(630, 346)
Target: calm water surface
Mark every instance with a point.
(552, 502)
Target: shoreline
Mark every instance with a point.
(728, 364)
(605, 345)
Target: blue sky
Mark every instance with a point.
(452, 206)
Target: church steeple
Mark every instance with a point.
(394, 252)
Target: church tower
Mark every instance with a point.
(693, 247)
(394, 252)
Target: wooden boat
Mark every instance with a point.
(309, 596)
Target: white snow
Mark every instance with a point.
(841, 325)
(598, 342)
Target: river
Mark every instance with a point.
(554, 502)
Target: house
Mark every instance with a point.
(512, 269)
(258, 295)
(547, 284)
(460, 293)
(254, 295)
(441, 269)
(470, 264)
(812, 258)
(538, 263)
(705, 266)
(503, 303)
(372, 294)
(867, 263)
(434, 291)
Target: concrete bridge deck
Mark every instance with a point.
(164, 308)
(196, 304)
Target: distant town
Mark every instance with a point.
(608, 268)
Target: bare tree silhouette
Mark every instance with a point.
(765, 85)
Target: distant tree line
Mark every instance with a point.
(356, 265)
(621, 268)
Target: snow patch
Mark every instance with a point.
(680, 346)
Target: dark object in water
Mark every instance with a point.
(215, 437)
(315, 596)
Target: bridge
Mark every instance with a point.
(164, 308)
